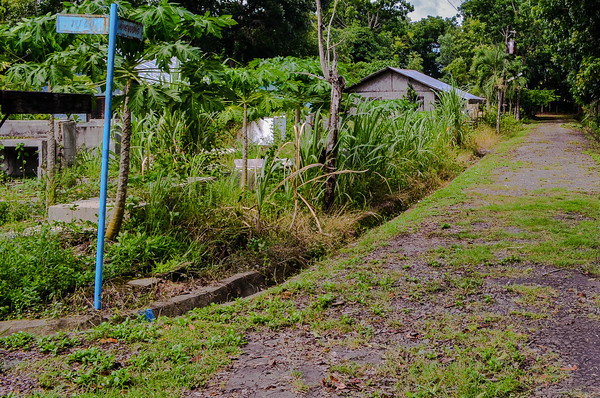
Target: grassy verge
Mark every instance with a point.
(445, 327)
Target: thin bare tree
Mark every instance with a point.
(329, 66)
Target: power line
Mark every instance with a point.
(453, 6)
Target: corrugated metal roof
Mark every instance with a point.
(434, 83)
(424, 79)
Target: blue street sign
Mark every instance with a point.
(97, 25)
(130, 29)
(82, 24)
(113, 26)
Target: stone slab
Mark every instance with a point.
(81, 210)
(143, 283)
(49, 326)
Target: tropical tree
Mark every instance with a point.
(573, 31)
(265, 28)
(424, 41)
(515, 85)
(34, 60)
(495, 15)
(168, 31)
(490, 66)
(15, 10)
(250, 97)
(458, 47)
(367, 31)
(299, 84)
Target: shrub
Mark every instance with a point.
(137, 252)
(14, 210)
(36, 269)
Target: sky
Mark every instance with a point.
(424, 8)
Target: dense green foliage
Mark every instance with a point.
(264, 29)
(36, 269)
(205, 70)
(573, 31)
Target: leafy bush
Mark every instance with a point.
(14, 210)
(509, 126)
(36, 269)
(137, 252)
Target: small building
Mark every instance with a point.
(393, 83)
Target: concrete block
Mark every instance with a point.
(25, 129)
(91, 135)
(143, 283)
(81, 210)
(253, 164)
(240, 285)
(68, 132)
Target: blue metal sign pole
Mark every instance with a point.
(102, 24)
(112, 35)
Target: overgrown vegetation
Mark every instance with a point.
(190, 216)
(188, 213)
(194, 216)
(467, 347)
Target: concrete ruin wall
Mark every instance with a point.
(31, 136)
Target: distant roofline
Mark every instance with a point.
(421, 78)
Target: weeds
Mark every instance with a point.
(57, 343)
(19, 340)
(130, 330)
(37, 269)
(182, 222)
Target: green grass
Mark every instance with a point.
(459, 347)
(480, 363)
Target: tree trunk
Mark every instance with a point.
(518, 106)
(60, 152)
(116, 219)
(297, 118)
(337, 87)
(499, 111)
(328, 61)
(245, 147)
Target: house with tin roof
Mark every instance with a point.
(394, 83)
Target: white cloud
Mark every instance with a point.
(442, 8)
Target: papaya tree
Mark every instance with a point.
(250, 96)
(168, 31)
(300, 84)
(34, 60)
